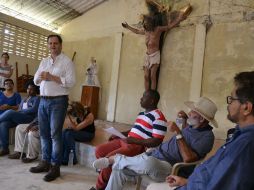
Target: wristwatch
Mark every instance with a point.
(179, 136)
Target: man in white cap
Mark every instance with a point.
(188, 145)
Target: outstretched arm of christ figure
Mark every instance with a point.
(176, 18)
(172, 24)
(135, 30)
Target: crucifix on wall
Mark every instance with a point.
(158, 21)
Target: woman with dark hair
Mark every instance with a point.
(79, 126)
(6, 69)
(30, 82)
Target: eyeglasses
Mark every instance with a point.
(230, 99)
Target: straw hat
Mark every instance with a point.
(205, 107)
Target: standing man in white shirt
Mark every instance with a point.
(55, 76)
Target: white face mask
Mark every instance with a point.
(193, 122)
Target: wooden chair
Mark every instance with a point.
(22, 80)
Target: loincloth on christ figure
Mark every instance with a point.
(152, 59)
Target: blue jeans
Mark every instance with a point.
(4, 133)
(51, 117)
(10, 119)
(69, 138)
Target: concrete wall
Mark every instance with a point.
(101, 49)
(104, 22)
(229, 51)
(195, 61)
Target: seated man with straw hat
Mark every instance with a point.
(188, 145)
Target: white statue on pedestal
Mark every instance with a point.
(91, 74)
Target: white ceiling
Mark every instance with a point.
(49, 14)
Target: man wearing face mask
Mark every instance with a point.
(190, 144)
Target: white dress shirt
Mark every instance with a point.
(63, 67)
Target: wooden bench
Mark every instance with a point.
(12, 136)
(100, 137)
(85, 150)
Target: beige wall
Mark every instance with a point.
(175, 72)
(228, 49)
(130, 86)
(103, 20)
(101, 49)
(90, 30)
